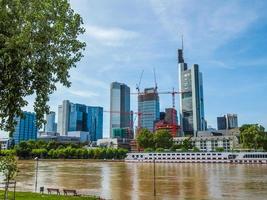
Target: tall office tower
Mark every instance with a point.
(78, 117)
(191, 100)
(26, 128)
(228, 121)
(95, 122)
(120, 115)
(63, 118)
(51, 125)
(148, 107)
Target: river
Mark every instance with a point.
(123, 181)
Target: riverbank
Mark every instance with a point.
(37, 196)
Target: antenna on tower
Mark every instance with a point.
(155, 80)
(182, 42)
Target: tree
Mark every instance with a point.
(38, 46)
(8, 167)
(145, 139)
(252, 136)
(163, 139)
(186, 145)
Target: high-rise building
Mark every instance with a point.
(120, 113)
(26, 128)
(63, 118)
(51, 125)
(191, 111)
(148, 107)
(228, 121)
(78, 117)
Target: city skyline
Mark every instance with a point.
(232, 64)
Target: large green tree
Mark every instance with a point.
(253, 136)
(38, 45)
(163, 139)
(145, 139)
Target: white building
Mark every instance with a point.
(210, 143)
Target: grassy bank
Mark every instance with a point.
(36, 196)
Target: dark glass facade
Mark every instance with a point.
(26, 128)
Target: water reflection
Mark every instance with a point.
(134, 181)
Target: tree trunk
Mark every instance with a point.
(6, 190)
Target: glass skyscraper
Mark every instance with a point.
(191, 100)
(51, 125)
(120, 114)
(79, 117)
(26, 128)
(148, 107)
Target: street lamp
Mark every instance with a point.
(36, 172)
(154, 177)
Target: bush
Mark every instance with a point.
(159, 150)
(219, 149)
(146, 150)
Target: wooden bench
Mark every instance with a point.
(73, 192)
(50, 190)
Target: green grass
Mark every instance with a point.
(36, 196)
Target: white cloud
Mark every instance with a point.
(83, 93)
(109, 36)
(204, 28)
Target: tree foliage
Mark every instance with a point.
(145, 139)
(38, 46)
(163, 139)
(253, 136)
(8, 167)
(56, 150)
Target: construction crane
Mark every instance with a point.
(173, 93)
(139, 83)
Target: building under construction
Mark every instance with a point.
(169, 121)
(148, 105)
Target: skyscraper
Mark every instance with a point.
(148, 107)
(51, 125)
(191, 100)
(228, 121)
(79, 117)
(26, 128)
(63, 118)
(120, 115)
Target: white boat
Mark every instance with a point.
(199, 157)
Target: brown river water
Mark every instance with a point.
(123, 181)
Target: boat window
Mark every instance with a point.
(173, 154)
(132, 156)
(182, 154)
(168, 154)
(159, 154)
(150, 154)
(192, 154)
(198, 154)
(214, 154)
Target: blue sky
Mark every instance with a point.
(228, 39)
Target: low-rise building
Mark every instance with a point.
(114, 143)
(210, 143)
(5, 143)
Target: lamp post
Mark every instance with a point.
(154, 176)
(36, 172)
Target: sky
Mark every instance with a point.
(228, 39)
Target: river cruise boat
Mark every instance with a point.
(199, 157)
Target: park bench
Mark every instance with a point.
(50, 190)
(73, 192)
